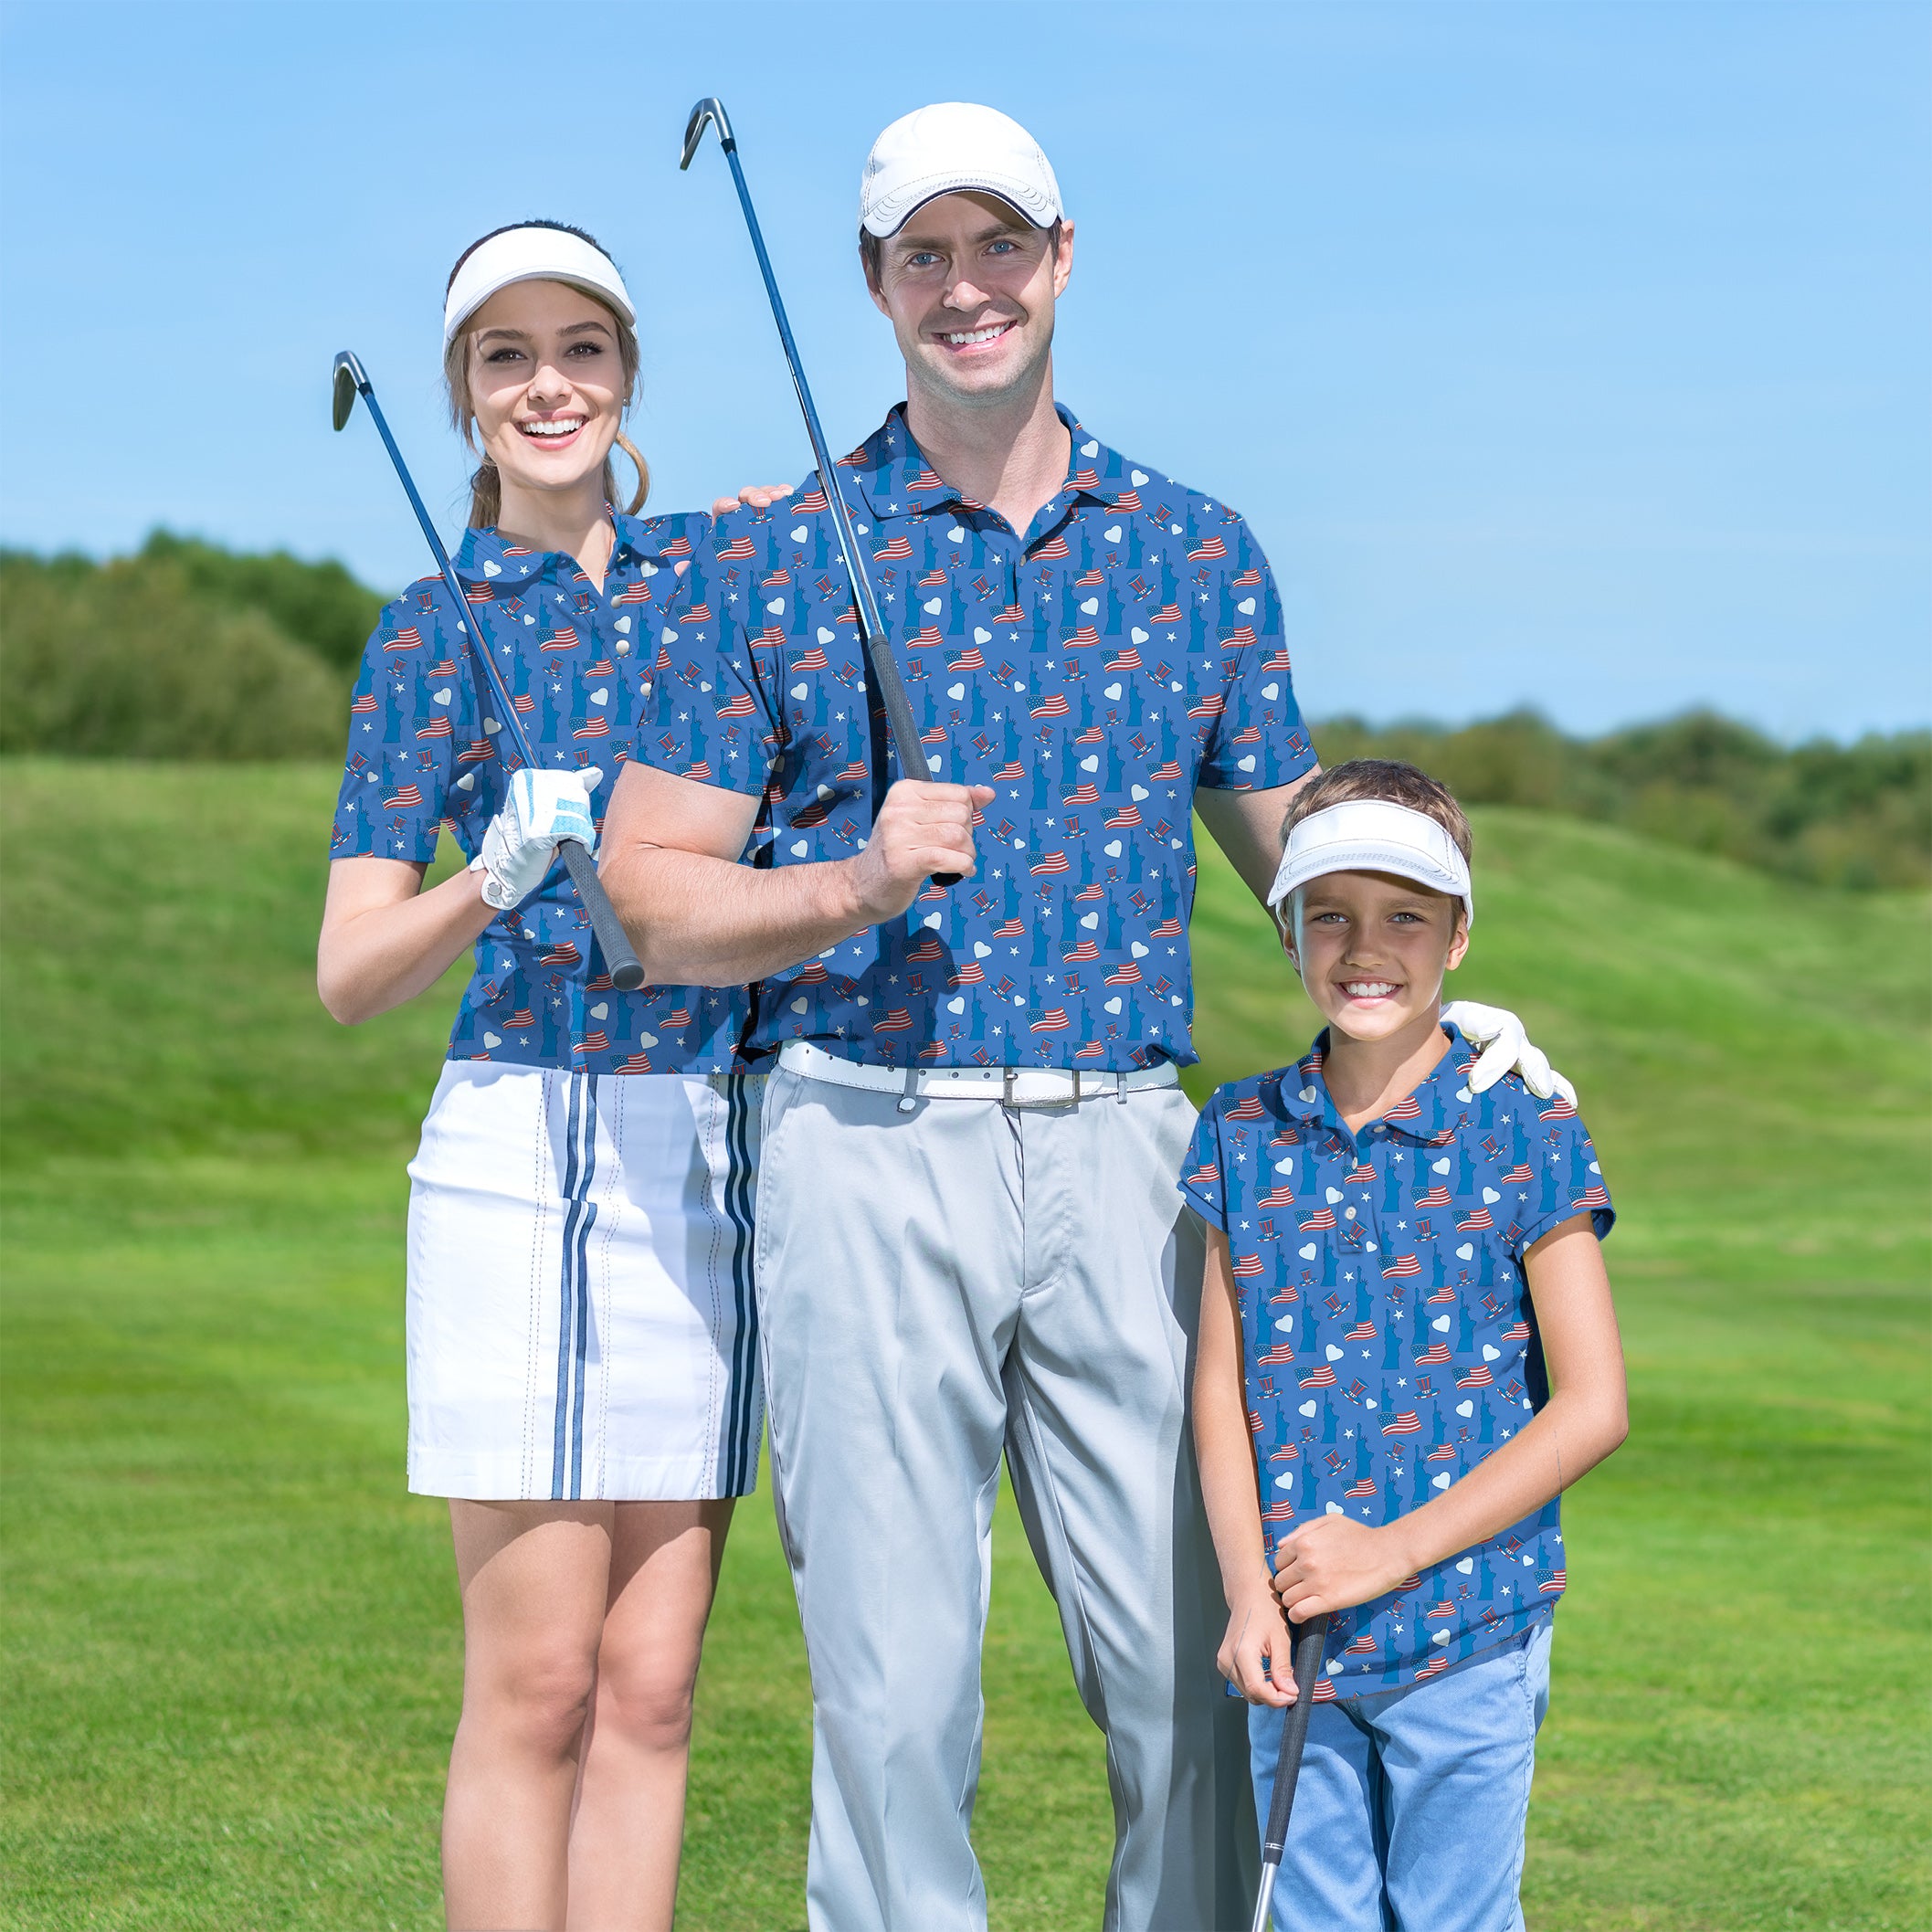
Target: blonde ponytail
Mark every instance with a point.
(643, 468)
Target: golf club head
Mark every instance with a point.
(710, 108)
(349, 379)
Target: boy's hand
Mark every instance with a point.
(1332, 1564)
(1256, 1645)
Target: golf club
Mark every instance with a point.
(1308, 1640)
(619, 956)
(881, 665)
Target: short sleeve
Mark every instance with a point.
(1202, 1181)
(1259, 741)
(1570, 1178)
(407, 709)
(708, 716)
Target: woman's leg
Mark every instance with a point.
(535, 1580)
(629, 1823)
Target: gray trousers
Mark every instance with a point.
(936, 1287)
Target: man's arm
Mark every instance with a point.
(669, 861)
(1247, 826)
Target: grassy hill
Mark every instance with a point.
(231, 1651)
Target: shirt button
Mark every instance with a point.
(1019, 687)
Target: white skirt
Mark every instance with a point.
(581, 1320)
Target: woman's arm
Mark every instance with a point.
(1331, 1563)
(384, 940)
(1225, 1451)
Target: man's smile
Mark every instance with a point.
(958, 339)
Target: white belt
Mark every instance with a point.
(1011, 1086)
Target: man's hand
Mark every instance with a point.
(1332, 1564)
(921, 829)
(1504, 1044)
(1257, 1656)
(754, 496)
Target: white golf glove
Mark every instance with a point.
(1505, 1046)
(543, 809)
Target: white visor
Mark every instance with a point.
(533, 255)
(953, 148)
(1374, 835)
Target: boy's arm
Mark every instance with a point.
(1225, 1452)
(1331, 1563)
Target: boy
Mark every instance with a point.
(1406, 1329)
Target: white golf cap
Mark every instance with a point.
(532, 254)
(1374, 835)
(954, 148)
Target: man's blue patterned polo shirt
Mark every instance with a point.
(1387, 1332)
(1094, 671)
(424, 752)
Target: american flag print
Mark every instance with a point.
(1387, 1326)
(1095, 670)
(426, 750)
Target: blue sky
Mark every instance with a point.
(1562, 353)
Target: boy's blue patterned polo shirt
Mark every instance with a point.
(424, 752)
(1094, 671)
(1387, 1332)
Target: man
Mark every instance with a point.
(968, 1233)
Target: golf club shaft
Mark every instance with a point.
(891, 691)
(620, 957)
(1308, 1642)
(903, 727)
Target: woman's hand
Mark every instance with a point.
(754, 496)
(1256, 1656)
(539, 811)
(1332, 1564)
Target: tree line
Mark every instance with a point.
(188, 650)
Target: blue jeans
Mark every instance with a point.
(1409, 1814)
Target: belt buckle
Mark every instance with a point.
(1069, 1099)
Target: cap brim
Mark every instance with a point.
(1401, 861)
(897, 209)
(609, 297)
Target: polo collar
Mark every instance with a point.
(895, 480)
(1430, 1114)
(486, 558)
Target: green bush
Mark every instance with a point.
(1853, 815)
(129, 660)
(319, 605)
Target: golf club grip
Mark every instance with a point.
(620, 957)
(899, 724)
(1308, 1642)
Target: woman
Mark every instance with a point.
(582, 1345)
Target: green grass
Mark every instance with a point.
(231, 1652)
